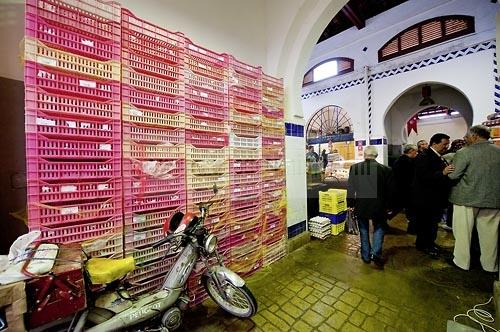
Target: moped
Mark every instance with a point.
(115, 310)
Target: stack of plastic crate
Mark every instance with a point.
(153, 143)
(333, 205)
(273, 154)
(245, 141)
(72, 112)
(207, 153)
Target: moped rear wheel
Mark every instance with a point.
(238, 301)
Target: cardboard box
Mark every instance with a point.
(13, 302)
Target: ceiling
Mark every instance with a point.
(355, 13)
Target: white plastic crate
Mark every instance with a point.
(244, 142)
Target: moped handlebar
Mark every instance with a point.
(163, 241)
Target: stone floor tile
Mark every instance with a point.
(311, 299)
(317, 293)
(365, 295)
(336, 291)
(350, 298)
(292, 310)
(342, 285)
(373, 324)
(275, 320)
(312, 318)
(344, 307)
(286, 317)
(270, 328)
(322, 288)
(388, 305)
(302, 326)
(386, 312)
(273, 308)
(368, 307)
(337, 319)
(323, 309)
(357, 318)
(303, 305)
(259, 320)
(330, 300)
(348, 327)
(304, 292)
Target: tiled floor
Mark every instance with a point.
(324, 286)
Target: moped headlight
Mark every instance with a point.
(210, 243)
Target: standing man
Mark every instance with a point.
(404, 171)
(422, 145)
(370, 192)
(431, 187)
(476, 199)
(311, 155)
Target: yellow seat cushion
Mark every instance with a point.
(106, 270)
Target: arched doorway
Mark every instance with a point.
(445, 110)
(327, 123)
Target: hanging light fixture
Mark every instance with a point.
(426, 95)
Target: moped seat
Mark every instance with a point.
(106, 270)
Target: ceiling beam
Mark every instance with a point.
(351, 14)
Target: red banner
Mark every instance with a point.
(412, 125)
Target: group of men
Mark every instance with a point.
(471, 183)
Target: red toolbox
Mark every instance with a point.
(61, 292)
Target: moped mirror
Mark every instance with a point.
(216, 190)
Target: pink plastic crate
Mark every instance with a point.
(44, 170)
(132, 132)
(238, 191)
(274, 236)
(273, 82)
(151, 100)
(206, 83)
(241, 203)
(49, 193)
(143, 238)
(274, 222)
(246, 225)
(158, 201)
(79, 233)
(272, 185)
(245, 106)
(272, 112)
(144, 38)
(37, 99)
(98, 39)
(206, 139)
(196, 182)
(204, 195)
(145, 272)
(245, 69)
(142, 221)
(273, 141)
(247, 211)
(68, 128)
(205, 62)
(246, 249)
(76, 213)
(151, 83)
(70, 84)
(246, 94)
(145, 186)
(106, 245)
(143, 63)
(245, 166)
(147, 255)
(60, 149)
(206, 97)
(240, 238)
(206, 111)
(147, 286)
(243, 179)
(243, 80)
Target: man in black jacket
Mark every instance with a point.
(431, 187)
(404, 171)
(369, 191)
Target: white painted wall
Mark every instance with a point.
(471, 75)
(295, 180)
(454, 127)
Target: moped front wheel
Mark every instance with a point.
(238, 301)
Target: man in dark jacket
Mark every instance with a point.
(431, 187)
(369, 192)
(404, 171)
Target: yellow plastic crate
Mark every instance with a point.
(152, 118)
(38, 52)
(333, 209)
(338, 228)
(333, 201)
